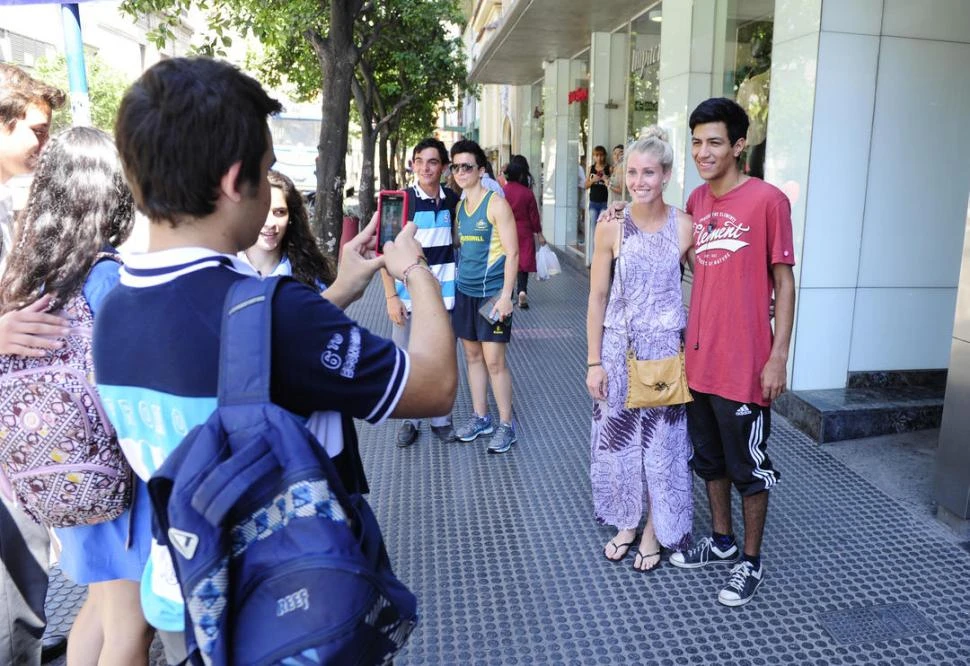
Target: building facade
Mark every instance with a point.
(857, 110)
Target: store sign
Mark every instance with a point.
(644, 60)
(578, 95)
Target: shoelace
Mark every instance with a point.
(702, 548)
(740, 574)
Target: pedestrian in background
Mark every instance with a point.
(528, 226)
(597, 182)
(616, 178)
(639, 456)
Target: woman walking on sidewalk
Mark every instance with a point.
(518, 192)
(639, 456)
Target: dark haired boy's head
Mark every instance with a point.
(18, 90)
(432, 142)
(428, 162)
(182, 126)
(721, 110)
(25, 118)
(472, 148)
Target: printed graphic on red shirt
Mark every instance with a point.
(717, 236)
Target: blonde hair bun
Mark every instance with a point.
(654, 131)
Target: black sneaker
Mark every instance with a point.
(704, 552)
(744, 581)
(407, 434)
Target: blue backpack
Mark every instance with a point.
(276, 562)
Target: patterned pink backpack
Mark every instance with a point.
(59, 455)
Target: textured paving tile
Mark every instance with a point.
(506, 560)
(505, 556)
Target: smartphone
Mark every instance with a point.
(486, 309)
(392, 215)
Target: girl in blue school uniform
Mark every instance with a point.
(286, 245)
(79, 206)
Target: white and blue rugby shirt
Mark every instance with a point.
(433, 218)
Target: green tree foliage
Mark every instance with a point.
(315, 46)
(410, 68)
(106, 86)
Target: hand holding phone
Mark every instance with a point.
(392, 215)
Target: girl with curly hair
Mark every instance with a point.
(79, 208)
(286, 245)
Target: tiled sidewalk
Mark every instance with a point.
(506, 560)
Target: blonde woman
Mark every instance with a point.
(639, 456)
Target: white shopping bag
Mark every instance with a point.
(541, 267)
(550, 260)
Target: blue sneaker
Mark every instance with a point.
(503, 439)
(475, 426)
(744, 582)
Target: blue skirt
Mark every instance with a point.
(99, 553)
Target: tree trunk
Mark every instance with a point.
(394, 165)
(332, 151)
(402, 162)
(338, 56)
(368, 143)
(384, 164)
(368, 139)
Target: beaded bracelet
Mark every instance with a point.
(421, 263)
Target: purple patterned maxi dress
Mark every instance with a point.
(640, 456)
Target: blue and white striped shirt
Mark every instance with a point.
(433, 217)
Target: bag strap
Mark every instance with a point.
(627, 213)
(244, 381)
(232, 479)
(245, 348)
(627, 216)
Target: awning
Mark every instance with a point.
(534, 31)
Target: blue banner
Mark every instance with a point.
(43, 2)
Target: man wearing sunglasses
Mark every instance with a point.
(487, 270)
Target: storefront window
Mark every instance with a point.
(579, 121)
(746, 67)
(644, 71)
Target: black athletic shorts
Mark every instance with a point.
(731, 442)
(470, 325)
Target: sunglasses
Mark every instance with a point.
(461, 167)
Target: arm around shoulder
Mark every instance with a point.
(685, 232)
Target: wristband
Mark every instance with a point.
(391, 296)
(594, 364)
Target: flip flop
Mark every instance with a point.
(616, 547)
(643, 556)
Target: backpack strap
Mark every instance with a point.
(244, 379)
(245, 343)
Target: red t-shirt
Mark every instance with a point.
(737, 239)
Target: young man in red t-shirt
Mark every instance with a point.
(735, 364)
